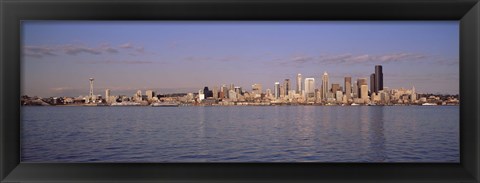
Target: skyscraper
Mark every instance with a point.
(335, 87)
(257, 88)
(215, 92)
(355, 90)
(287, 86)
(299, 83)
(277, 90)
(360, 82)
(282, 91)
(324, 85)
(413, 97)
(373, 87)
(310, 87)
(107, 95)
(207, 92)
(378, 78)
(150, 94)
(348, 87)
(364, 92)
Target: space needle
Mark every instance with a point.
(91, 99)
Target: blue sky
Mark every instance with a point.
(59, 56)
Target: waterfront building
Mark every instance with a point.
(413, 96)
(268, 93)
(107, 95)
(355, 90)
(221, 95)
(364, 92)
(339, 96)
(372, 84)
(310, 87)
(325, 85)
(138, 96)
(150, 94)
(291, 95)
(348, 87)
(378, 78)
(287, 86)
(215, 92)
(277, 90)
(201, 97)
(282, 91)
(299, 83)
(335, 88)
(232, 95)
(360, 82)
(238, 90)
(208, 93)
(256, 90)
(224, 89)
(384, 97)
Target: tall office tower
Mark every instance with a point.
(232, 95)
(282, 91)
(207, 92)
(355, 90)
(232, 87)
(373, 87)
(257, 89)
(348, 87)
(150, 94)
(107, 95)
(413, 97)
(335, 88)
(310, 87)
(299, 83)
(225, 91)
(90, 95)
(277, 90)
(138, 95)
(360, 82)
(215, 92)
(238, 90)
(364, 92)
(339, 96)
(221, 95)
(324, 85)
(318, 95)
(378, 78)
(287, 86)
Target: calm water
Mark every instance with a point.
(241, 134)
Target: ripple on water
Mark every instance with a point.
(240, 134)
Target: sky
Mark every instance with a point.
(58, 57)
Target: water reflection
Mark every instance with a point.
(377, 135)
(240, 134)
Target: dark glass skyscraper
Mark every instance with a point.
(373, 87)
(378, 78)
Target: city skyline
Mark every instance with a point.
(191, 55)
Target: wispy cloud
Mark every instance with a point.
(350, 59)
(126, 45)
(230, 58)
(72, 49)
(39, 51)
(116, 62)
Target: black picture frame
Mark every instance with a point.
(14, 11)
